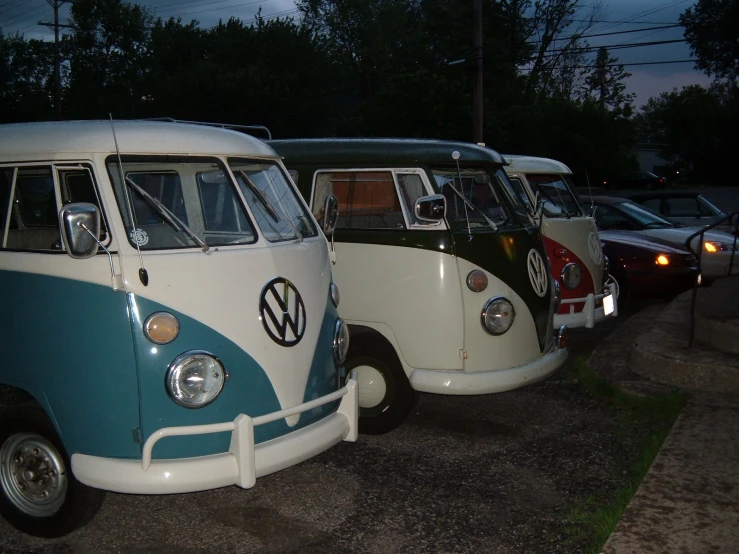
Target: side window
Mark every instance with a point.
(367, 199)
(35, 211)
(520, 192)
(411, 187)
(6, 181)
(682, 207)
(77, 185)
(653, 204)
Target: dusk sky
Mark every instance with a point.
(615, 15)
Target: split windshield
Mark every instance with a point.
(478, 200)
(193, 202)
(557, 194)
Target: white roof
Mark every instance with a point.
(134, 137)
(534, 164)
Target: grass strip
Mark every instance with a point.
(594, 521)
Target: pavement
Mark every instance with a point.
(689, 499)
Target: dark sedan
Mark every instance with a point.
(648, 267)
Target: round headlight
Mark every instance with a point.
(334, 292)
(497, 315)
(477, 281)
(571, 276)
(161, 328)
(195, 379)
(341, 341)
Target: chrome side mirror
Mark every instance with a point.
(330, 215)
(80, 226)
(430, 208)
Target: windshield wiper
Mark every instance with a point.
(493, 226)
(268, 205)
(166, 214)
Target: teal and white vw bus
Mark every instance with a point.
(443, 273)
(169, 322)
(570, 238)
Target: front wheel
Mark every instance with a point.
(38, 493)
(385, 394)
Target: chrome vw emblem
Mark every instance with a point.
(537, 272)
(282, 311)
(595, 249)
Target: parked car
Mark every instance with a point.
(638, 180)
(648, 267)
(688, 207)
(443, 273)
(166, 328)
(570, 238)
(621, 214)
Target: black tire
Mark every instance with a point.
(20, 428)
(399, 397)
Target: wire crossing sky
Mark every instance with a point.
(644, 34)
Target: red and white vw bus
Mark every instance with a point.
(570, 238)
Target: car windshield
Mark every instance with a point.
(274, 203)
(557, 194)
(628, 216)
(477, 200)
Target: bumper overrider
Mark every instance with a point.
(593, 311)
(499, 380)
(241, 465)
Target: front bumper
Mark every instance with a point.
(240, 466)
(484, 382)
(591, 313)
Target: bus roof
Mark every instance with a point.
(381, 151)
(134, 137)
(534, 164)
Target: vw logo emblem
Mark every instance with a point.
(595, 249)
(537, 273)
(282, 311)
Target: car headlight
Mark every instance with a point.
(341, 342)
(195, 379)
(571, 276)
(716, 246)
(334, 293)
(497, 315)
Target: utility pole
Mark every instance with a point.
(477, 123)
(57, 58)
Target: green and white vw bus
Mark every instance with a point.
(169, 323)
(445, 283)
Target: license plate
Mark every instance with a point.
(608, 304)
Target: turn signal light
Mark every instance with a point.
(663, 260)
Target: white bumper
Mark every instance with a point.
(590, 315)
(240, 466)
(484, 382)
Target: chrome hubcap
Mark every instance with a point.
(32, 474)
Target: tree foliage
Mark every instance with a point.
(697, 127)
(712, 30)
(370, 68)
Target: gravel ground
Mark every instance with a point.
(497, 473)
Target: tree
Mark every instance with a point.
(26, 79)
(604, 85)
(712, 31)
(108, 58)
(697, 127)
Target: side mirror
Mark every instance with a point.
(431, 208)
(80, 225)
(330, 215)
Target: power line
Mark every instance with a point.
(214, 9)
